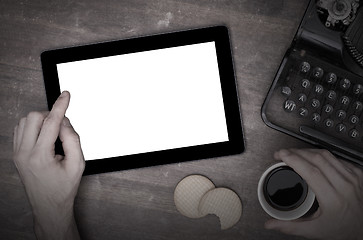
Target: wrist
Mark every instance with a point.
(55, 225)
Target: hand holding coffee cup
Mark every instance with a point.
(338, 186)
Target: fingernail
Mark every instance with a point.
(269, 224)
(63, 94)
(284, 152)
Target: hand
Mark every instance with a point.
(51, 181)
(338, 186)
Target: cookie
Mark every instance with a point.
(224, 203)
(188, 194)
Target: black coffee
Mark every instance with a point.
(284, 189)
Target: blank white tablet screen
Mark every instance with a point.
(146, 101)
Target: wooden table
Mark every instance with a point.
(138, 204)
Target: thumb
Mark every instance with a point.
(71, 146)
(305, 228)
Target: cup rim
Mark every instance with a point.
(279, 214)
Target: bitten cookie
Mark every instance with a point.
(224, 203)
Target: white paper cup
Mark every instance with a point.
(292, 214)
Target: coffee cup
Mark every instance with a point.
(283, 193)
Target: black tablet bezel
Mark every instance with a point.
(217, 34)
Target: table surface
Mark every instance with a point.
(138, 203)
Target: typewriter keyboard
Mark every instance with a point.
(315, 100)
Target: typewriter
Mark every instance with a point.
(317, 93)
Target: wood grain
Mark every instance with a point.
(138, 204)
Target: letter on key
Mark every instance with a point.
(289, 105)
(319, 89)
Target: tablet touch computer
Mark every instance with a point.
(149, 100)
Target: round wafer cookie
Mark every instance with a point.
(224, 203)
(188, 194)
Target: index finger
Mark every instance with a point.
(51, 125)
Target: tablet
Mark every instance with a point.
(149, 100)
